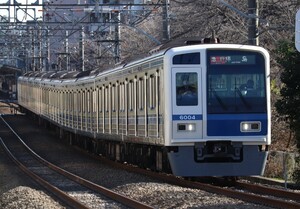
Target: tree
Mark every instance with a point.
(288, 106)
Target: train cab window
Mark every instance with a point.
(187, 59)
(186, 89)
(236, 82)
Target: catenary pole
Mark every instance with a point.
(166, 25)
(253, 22)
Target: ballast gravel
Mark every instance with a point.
(18, 193)
(158, 195)
(25, 197)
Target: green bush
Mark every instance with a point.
(288, 106)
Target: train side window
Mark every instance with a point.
(71, 101)
(113, 98)
(85, 98)
(77, 102)
(117, 95)
(100, 106)
(83, 101)
(80, 94)
(94, 97)
(106, 99)
(66, 99)
(141, 94)
(88, 100)
(91, 104)
(80, 101)
(67, 107)
(131, 95)
(186, 89)
(61, 102)
(187, 59)
(122, 97)
(151, 91)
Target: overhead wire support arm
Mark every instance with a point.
(247, 16)
(146, 34)
(252, 18)
(93, 21)
(80, 5)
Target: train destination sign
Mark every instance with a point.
(232, 60)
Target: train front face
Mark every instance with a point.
(219, 111)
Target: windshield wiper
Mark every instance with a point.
(219, 100)
(242, 98)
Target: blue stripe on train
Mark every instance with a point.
(187, 117)
(229, 124)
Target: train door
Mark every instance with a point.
(187, 109)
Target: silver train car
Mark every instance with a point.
(198, 110)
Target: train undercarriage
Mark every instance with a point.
(142, 155)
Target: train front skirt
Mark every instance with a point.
(184, 163)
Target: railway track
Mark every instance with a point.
(283, 194)
(249, 192)
(71, 189)
(258, 194)
(271, 197)
(266, 195)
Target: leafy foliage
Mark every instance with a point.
(296, 173)
(289, 104)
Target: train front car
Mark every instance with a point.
(219, 111)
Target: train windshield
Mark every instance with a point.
(236, 82)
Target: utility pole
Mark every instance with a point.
(99, 17)
(67, 56)
(166, 25)
(81, 48)
(117, 37)
(252, 17)
(253, 22)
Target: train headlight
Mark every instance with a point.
(191, 127)
(245, 126)
(186, 127)
(250, 126)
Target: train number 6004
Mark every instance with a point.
(187, 117)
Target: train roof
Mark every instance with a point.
(7, 69)
(59, 74)
(156, 52)
(177, 43)
(161, 49)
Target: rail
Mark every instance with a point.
(59, 193)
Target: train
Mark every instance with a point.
(190, 108)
